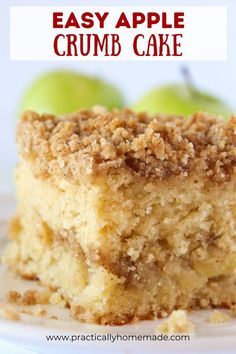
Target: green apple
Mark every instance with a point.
(181, 100)
(60, 92)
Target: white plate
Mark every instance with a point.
(31, 331)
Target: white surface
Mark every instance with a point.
(30, 332)
(134, 78)
(8, 348)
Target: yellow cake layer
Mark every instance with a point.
(118, 250)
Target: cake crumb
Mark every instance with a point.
(57, 299)
(36, 311)
(233, 310)
(9, 313)
(53, 317)
(35, 297)
(13, 297)
(177, 322)
(39, 312)
(29, 297)
(218, 317)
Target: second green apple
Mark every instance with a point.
(181, 100)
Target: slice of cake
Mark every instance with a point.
(126, 216)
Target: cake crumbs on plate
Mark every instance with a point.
(218, 317)
(36, 311)
(57, 299)
(177, 322)
(35, 297)
(9, 313)
(233, 311)
(39, 312)
(29, 297)
(14, 297)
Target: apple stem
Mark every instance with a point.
(188, 78)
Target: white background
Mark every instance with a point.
(134, 78)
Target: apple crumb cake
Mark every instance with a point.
(127, 216)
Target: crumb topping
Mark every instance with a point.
(95, 141)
